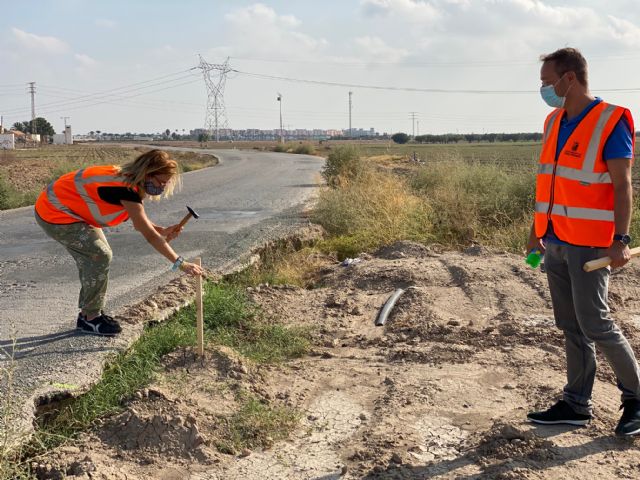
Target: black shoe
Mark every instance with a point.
(560, 413)
(629, 424)
(79, 322)
(101, 325)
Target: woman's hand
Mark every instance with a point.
(169, 232)
(191, 269)
(172, 232)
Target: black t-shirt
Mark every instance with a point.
(115, 195)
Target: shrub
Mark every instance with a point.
(477, 202)
(400, 137)
(305, 149)
(343, 162)
(372, 209)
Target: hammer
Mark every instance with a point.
(187, 217)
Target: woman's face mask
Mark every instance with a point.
(154, 185)
(151, 189)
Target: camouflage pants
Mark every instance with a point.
(89, 248)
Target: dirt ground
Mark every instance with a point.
(441, 391)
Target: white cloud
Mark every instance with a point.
(625, 31)
(85, 61)
(261, 13)
(376, 49)
(258, 30)
(31, 41)
(413, 10)
(106, 23)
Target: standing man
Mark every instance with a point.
(583, 212)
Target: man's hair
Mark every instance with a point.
(568, 60)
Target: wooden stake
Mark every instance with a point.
(199, 312)
(605, 261)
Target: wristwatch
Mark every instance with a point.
(623, 238)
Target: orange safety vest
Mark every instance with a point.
(575, 192)
(74, 198)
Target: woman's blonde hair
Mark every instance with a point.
(153, 162)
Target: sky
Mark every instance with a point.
(465, 66)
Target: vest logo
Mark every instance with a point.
(573, 152)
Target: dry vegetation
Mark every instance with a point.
(23, 173)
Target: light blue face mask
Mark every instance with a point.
(151, 189)
(550, 97)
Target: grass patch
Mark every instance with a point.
(477, 202)
(284, 265)
(256, 424)
(232, 320)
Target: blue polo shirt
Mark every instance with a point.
(618, 145)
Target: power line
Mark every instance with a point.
(414, 89)
(125, 89)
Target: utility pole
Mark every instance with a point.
(65, 121)
(281, 131)
(418, 130)
(350, 105)
(216, 116)
(32, 90)
(413, 120)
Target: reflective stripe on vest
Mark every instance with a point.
(53, 199)
(586, 173)
(80, 182)
(576, 212)
(80, 200)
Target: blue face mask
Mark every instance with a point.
(550, 97)
(151, 189)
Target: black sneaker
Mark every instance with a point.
(560, 413)
(101, 325)
(629, 424)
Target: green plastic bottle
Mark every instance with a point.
(534, 258)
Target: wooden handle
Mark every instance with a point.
(605, 261)
(199, 311)
(184, 221)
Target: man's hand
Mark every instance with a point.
(619, 254)
(534, 243)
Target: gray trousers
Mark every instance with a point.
(89, 248)
(582, 313)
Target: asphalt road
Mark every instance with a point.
(250, 196)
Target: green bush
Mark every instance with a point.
(372, 209)
(343, 162)
(477, 202)
(304, 149)
(280, 147)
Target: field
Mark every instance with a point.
(24, 172)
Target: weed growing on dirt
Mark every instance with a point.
(343, 163)
(302, 148)
(10, 197)
(284, 266)
(127, 373)
(371, 209)
(256, 425)
(477, 202)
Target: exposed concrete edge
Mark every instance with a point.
(132, 331)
